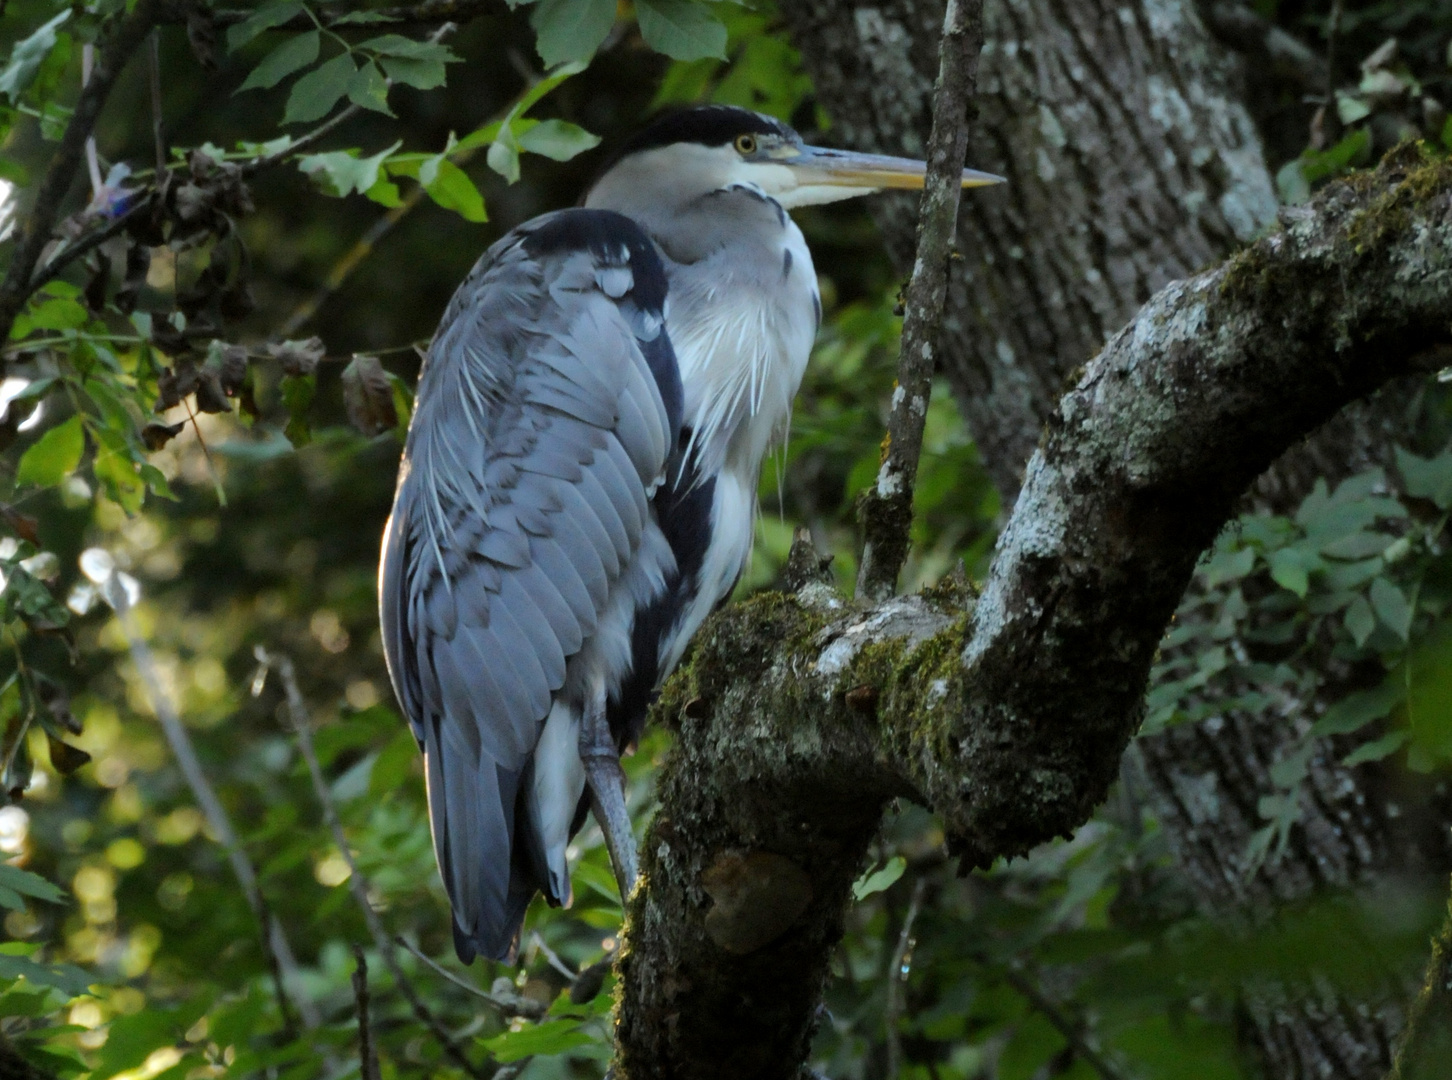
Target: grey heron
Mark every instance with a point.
(578, 488)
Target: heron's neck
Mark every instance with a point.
(742, 314)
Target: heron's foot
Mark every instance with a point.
(606, 781)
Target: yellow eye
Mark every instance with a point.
(746, 144)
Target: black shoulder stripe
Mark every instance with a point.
(610, 237)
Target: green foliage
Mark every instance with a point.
(156, 376)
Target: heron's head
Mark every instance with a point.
(694, 152)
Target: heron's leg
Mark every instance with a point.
(606, 781)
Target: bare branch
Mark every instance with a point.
(428, 13)
(897, 973)
(357, 883)
(1066, 1027)
(886, 510)
(281, 961)
(367, 1054)
(35, 230)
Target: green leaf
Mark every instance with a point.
(1377, 749)
(557, 140)
(1427, 478)
(503, 158)
(314, 95)
(27, 56)
(1288, 570)
(265, 18)
(297, 396)
(52, 313)
(682, 29)
(369, 90)
(67, 978)
(54, 456)
(1391, 607)
(452, 189)
(1034, 1042)
(409, 49)
(1360, 621)
(394, 764)
(385, 193)
(879, 880)
(115, 466)
(570, 30)
(359, 18)
(15, 172)
(341, 173)
(540, 1040)
(292, 55)
(1355, 711)
(420, 74)
(1231, 565)
(28, 884)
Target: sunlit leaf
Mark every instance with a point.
(342, 172)
(452, 189)
(54, 456)
(879, 880)
(27, 56)
(539, 1040)
(558, 140)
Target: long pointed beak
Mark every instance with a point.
(818, 166)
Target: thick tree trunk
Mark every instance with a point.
(1132, 162)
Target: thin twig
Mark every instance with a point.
(158, 129)
(36, 227)
(275, 945)
(367, 1054)
(513, 1005)
(92, 240)
(552, 957)
(429, 13)
(1066, 1027)
(897, 976)
(357, 883)
(885, 513)
(1333, 31)
(344, 267)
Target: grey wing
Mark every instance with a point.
(539, 430)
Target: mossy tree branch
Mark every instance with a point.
(801, 716)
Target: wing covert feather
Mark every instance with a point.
(540, 428)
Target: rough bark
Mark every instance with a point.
(1130, 164)
(1126, 131)
(1008, 713)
